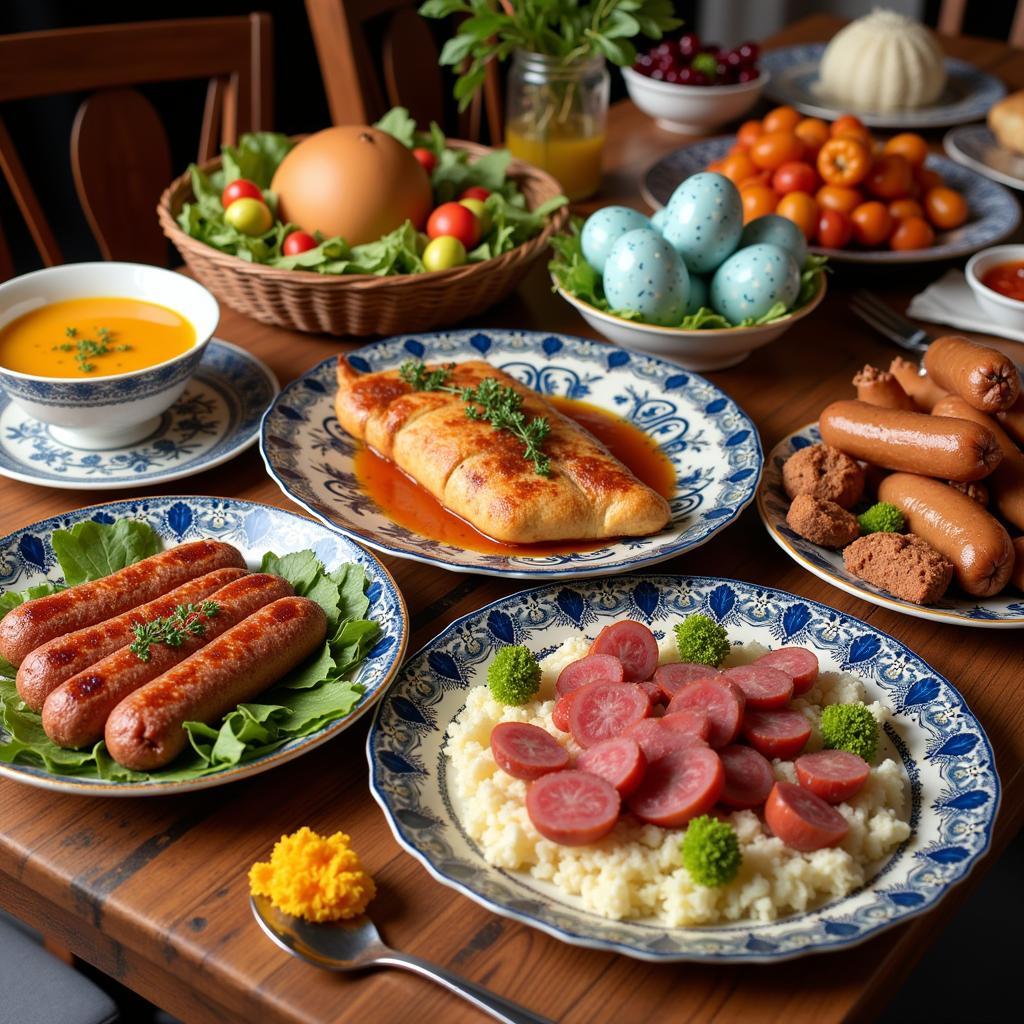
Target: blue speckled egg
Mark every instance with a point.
(645, 274)
(658, 219)
(698, 293)
(604, 228)
(778, 231)
(752, 280)
(703, 220)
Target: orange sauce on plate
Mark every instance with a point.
(407, 503)
(1007, 279)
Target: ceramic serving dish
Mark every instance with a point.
(1002, 309)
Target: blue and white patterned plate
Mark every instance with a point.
(710, 441)
(994, 213)
(1004, 611)
(954, 789)
(967, 97)
(27, 559)
(216, 418)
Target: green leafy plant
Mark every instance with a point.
(565, 29)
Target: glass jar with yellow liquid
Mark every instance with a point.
(556, 113)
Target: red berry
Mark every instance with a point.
(240, 188)
(298, 241)
(476, 192)
(426, 158)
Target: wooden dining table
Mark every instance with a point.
(154, 892)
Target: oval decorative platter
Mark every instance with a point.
(27, 559)
(1004, 611)
(995, 214)
(974, 146)
(712, 445)
(953, 787)
(967, 97)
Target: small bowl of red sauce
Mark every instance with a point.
(996, 277)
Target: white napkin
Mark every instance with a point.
(951, 301)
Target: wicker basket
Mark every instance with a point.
(363, 304)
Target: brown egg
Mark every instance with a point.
(353, 181)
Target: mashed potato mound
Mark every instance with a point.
(636, 871)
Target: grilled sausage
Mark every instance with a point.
(1012, 420)
(982, 376)
(1007, 480)
(880, 387)
(33, 623)
(911, 442)
(973, 540)
(45, 668)
(923, 391)
(144, 731)
(75, 713)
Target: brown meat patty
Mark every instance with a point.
(822, 522)
(900, 564)
(824, 472)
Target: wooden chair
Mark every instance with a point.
(347, 33)
(951, 20)
(120, 156)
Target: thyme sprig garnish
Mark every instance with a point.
(86, 349)
(173, 630)
(490, 400)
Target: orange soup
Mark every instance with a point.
(415, 508)
(94, 337)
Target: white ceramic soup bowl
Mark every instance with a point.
(117, 409)
(1001, 308)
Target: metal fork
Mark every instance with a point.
(874, 312)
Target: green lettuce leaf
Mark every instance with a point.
(255, 158)
(90, 550)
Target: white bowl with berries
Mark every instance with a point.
(692, 87)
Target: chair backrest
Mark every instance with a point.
(355, 37)
(120, 156)
(951, 20)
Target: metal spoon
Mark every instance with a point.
(355, 945)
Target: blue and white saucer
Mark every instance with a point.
(217, 416)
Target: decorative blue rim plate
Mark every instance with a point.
(27, 558)
(974, 146)
(953, 785)
(1004, 611)
(995, 214)
(968, 95)
(216, 418)
(712, 444)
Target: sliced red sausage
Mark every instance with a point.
(654, 691)
(776, 733)
(797, 662)
(762, 685)
(802, 820)
(572, 807)
(633, 644)
(600, 711)
(674, 676)
(679, 786)
(748, 776)
(660, 736)
(594, 668)
(526, 751)
(834, 775)
(619, 760)
(723, 701)
(560, 713)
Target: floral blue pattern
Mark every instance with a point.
(710, 441)
(1005, 610)
(27, 559)
(954, 788)
(994, 213)
(217, 416)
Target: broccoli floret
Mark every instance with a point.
(514, 675)
(701, 640)
(711, 851)
(850, 727)
(881, 518)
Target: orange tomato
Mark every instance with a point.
(844, 161)
(927, 178)
(850, 127)
(757, 200)
(760, 178)
(795, 176)
(737, 166)
(912, 233)
(908, 145)
(812, 132)
(945, 207)
(890, 177)
(871, 224)
(749, 132)
(802, 210)
(716, 166)
(904, 209)
(781, 119)
(837, 197)
(835, 229)
(736, 148)
(773, 149)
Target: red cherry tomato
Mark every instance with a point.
(240, 188)
(795, 176)
(476, 192)
(455, 220)
(427, 159)
(298, 241)
(835, 229)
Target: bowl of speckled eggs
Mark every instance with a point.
(692, 283)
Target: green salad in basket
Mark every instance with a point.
(383, 200)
